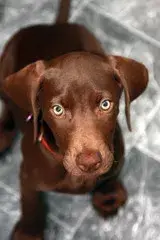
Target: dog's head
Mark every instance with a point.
(76, 96)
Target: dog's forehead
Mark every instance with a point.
(83, 65)
(79, 68)
(79, 74)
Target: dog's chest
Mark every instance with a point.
(74, 184)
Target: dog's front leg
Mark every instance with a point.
(109, 197)
(32, 221)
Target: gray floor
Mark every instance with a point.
(129, 28)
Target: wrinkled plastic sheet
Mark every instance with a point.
(128, 28)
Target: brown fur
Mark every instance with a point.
(64, 63)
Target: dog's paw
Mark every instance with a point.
(109, 198)
(19, 234)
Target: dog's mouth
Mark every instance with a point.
(94, 176)
(101, 172)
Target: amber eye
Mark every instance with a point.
(105, 104)
(58, 110)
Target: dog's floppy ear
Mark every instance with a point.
(133, 77)
(22, 87)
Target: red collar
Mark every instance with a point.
(44, 142)
(50, 150)
(46, 145)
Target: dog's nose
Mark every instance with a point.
(89, 161)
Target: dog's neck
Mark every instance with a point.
(48, 151)
(45, 146)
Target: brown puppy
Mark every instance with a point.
(59, 79)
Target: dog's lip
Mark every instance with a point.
(97, 175)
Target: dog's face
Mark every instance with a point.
(78, 96)
(80, 100)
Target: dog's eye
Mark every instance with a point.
(105, 104)
(58, 110)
